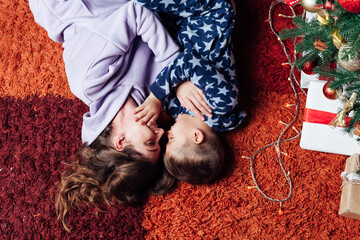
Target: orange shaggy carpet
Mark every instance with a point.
(40, 123)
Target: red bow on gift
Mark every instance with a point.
(320, 117)
(340, 120)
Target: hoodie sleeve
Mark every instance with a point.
(120, 29)
(139, 21)
(95, 57)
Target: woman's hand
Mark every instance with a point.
(193, 99)
(148, 112)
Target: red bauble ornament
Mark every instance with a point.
(352, 6)
(328, 6)
(329, 92)
(309, 67)
(291, 2)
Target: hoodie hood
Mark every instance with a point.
(57, 15)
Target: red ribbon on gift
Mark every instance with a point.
(291, 2)
(320, 117)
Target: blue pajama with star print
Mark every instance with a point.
(203, 30)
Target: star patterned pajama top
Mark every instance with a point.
(203, 30)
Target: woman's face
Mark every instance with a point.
(145, 139)
(126, 131)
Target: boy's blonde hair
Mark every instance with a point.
(196, 163)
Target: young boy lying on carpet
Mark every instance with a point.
(113, 51)
(205, 69)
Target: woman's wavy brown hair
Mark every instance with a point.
(99, 173)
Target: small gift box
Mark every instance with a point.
(350, 195)
(317, 133)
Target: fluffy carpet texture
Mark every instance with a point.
(40, 125)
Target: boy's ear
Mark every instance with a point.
(119, 142)
(197, 136)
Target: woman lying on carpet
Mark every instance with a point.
(118, 157)
(194, 153)
(112, 52)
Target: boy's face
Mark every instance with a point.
(180, 132)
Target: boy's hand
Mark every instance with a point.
(148, 112)
(193, 99)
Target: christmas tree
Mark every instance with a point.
(329, 40)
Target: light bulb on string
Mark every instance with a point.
(280, 211)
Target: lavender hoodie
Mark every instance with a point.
(112, 49)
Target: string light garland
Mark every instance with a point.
(277, 144)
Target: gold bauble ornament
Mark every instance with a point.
(352, 64)
(309, 5)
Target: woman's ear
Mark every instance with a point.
(119, 142)
(197, 136)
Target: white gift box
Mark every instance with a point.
(317, 134)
